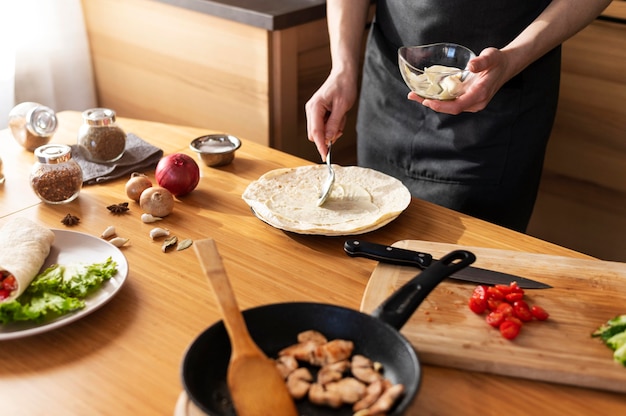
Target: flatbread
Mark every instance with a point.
(24, 246)
(361, 200)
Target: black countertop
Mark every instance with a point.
(283, 14)
(266, 14)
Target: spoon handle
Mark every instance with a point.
(211, 263)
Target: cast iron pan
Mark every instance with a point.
(275, 326)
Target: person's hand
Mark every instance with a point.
(326, 111)
(489, 73)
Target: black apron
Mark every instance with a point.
(486, 164)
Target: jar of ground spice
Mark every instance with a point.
(101, 139)
(55, 177)
(32, 124)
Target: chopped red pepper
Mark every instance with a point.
(8, 284)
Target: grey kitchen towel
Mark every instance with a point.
(138, 156)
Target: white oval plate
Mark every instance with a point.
(74, 247)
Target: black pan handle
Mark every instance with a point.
(387, 254)
(398, 308)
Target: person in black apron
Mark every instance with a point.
(483, 163)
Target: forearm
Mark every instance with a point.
(346, 24)
(559, 21)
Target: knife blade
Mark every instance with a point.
(403, 257)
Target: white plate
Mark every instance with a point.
(74, 247)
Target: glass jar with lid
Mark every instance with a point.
(101, 139)
(56, 177)
(32, 124)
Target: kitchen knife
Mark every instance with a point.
(403, 257)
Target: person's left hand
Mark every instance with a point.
(489, 74)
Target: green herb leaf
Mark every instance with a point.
(169, 242)
(186, 243)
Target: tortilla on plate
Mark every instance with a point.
(24, 246)
(361, 200)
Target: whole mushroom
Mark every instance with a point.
(157, 201)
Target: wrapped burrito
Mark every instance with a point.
(24, 246)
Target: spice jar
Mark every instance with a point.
(55, 177)
(100, 137)
(32, 124)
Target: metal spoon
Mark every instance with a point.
(330, 180)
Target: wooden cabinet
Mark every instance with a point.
(159, 62)
(582, 200)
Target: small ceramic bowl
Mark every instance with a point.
(216, 149)
(436, 71)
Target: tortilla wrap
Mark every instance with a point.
(24, 246)
(361, 199)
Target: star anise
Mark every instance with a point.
(120, 208)
(70, 220)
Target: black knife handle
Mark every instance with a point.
(387, 254)
(398, 308)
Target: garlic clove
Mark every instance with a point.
(148, 218)
(108, 232)
(119, 241)
(159, 232)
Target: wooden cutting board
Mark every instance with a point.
(585, 294)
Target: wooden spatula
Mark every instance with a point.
(255, 385)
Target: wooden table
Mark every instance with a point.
(124, 359)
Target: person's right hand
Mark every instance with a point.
(490, 71)
(326, 110)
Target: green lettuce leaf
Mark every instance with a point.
(56, 291)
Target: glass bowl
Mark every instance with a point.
(437, 71)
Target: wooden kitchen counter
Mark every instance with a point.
(124, 359)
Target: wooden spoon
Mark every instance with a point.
(255, 385)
